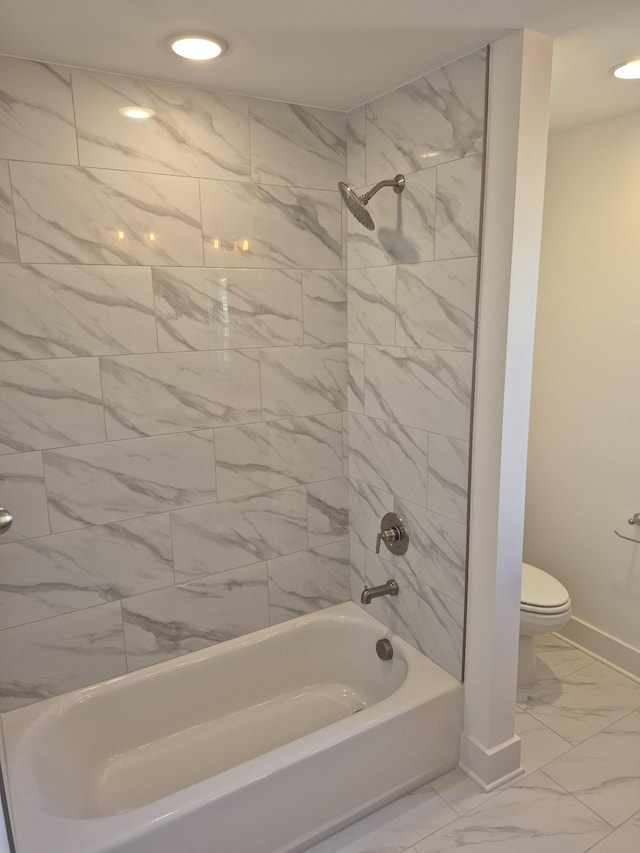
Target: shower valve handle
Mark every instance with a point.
(394, 534)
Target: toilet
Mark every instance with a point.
(545, 606)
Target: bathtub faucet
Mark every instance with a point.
(388, 588)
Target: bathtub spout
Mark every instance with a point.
(388, 588)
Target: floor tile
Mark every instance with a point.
(460, 791)
(533, 816)
(557, 659)
(539, 744)
(584, 702)
(625, 839)
(604, 771)
(393, 828)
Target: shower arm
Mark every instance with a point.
(397, 183)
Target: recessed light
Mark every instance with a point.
(196, 46)
(629, 70)
(136, 112)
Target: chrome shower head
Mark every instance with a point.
(357, 204)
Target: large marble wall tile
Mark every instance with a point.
(171, 622)
(448, 477)
(436, 555)
(436, 118)
(220, 536)
(405, 225)
(307, 581)
(356, 141)
(324, 303)
(272, 455)
(305, 380)
(430, 621)
(328, 511)
(436, 304)
(81, 311)
(174, 392)
(24, 495)
(50, 403)
(355, 390)
(389, 457)
(67, 214)
(56, 655)
(295, 145)
(194, 132)
(270, 226)
(227, 308)
(36, 122)
(372, 305)
(57, 574)
(367, 505)
(422, 388)
(101, 483)
(458, 208)
(345, 444)
(8, 238)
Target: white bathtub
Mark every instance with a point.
(263, 744)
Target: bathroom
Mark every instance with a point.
(233, 515)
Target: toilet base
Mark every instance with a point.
(526, 662)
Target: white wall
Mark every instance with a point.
(584, 449)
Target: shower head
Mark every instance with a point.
(357, 204)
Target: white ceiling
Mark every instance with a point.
(334, 53)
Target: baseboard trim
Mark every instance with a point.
(490, 768)
(603, 647)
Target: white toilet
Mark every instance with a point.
(545, 606)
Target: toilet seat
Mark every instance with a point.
(541, 593)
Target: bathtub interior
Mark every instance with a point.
(131, 741)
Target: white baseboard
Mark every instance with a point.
(603, 647)
(490, 768)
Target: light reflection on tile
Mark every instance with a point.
(205, 309)
(66, 214)
(257, 225)
(194, 132)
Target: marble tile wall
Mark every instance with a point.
(411, 296)
(173, 372)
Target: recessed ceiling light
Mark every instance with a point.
(629, 70)
(197, 46)
(136, 112)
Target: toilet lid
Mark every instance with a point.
(540, 590)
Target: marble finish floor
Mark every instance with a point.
(580, 791)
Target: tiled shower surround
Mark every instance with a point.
(411, 306)
(173, 346)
